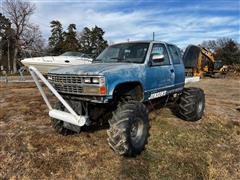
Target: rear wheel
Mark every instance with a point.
(129, 128)
(191, 104)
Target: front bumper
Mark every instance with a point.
(73, 86)
(71, 116)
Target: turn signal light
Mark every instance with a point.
(102, 90)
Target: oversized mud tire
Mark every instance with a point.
(129, 128)
(59, 125)
(191, 104)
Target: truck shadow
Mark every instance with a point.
(95, 127)
(135, 167)
(156, 105)
(153, 106)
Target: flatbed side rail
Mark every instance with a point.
(71, 117)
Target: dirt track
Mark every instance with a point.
(207, 149)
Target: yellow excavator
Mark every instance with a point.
(199, 61)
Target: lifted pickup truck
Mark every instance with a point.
(117, 87)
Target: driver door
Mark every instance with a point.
(159, 75)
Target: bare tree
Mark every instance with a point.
(33, 40)
(19, 13)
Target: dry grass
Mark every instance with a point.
(207, 149)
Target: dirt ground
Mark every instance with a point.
(207, 149)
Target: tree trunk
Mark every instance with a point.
(8, 57)
(15, 60)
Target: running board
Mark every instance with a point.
(71, 116)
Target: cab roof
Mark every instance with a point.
(142, 41)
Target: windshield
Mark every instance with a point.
(127, 53)
(218, 64)
(71, 53)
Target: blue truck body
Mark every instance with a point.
(156, 80)
(114, 88)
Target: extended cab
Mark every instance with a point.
(118, 85)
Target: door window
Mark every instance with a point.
(174, 51)
(160, 49)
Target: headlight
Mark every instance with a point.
(94, 85)
(95, 80)
(87, 80)
(49, 77)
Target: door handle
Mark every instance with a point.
(172, 70)
(67, 61)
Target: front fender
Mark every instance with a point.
(111, 87)
(132, 73)
(115, 80)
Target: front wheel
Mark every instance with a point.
(129, 128)
(62, 127)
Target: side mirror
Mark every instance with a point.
(158, 58)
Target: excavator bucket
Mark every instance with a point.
(190, 56)
(198, 61)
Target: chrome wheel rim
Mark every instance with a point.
(136, 130)
(200, 107)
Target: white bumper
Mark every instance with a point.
(71, 116)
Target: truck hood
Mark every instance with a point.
(98, 69)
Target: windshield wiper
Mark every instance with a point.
(97, 60)
(116, 58)
(121, 60)
(124, 61)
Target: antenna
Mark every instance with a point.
(153, 36)
(2, 7)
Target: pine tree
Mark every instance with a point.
(70, 39)
(56, 39)
(92, 41)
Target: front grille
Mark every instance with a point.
(71, 79)
(68, 88)
(70, 84)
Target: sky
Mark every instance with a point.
(181, 22)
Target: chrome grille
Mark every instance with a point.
(66, 83)
(74, 89)
(71, 79)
